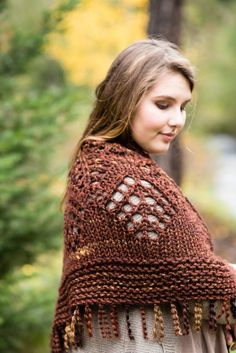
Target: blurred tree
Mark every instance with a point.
(32, 120)
(26, 306)
(103, 28)
(2, 4)
(21, 47)
(93, 34)
(165, 18)
(215, 111)
(36, 103)
(32, 124)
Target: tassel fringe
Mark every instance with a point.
(176, 321)
(131, 337)
(233, 307)
(103, 322)
(186, 322)
(212, 316)
(144, 322)
(72, 336)
(114, 320)
(197, 316)
(68, 337)
(88, 320)
(158, 324)
(227, 315)
(222, 312)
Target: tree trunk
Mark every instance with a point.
(165, 18)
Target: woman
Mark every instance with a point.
(139, 272)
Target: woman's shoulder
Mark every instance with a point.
(102, 167)
(105, 166)
(112, 157)
(103, 148)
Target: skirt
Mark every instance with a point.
(205, 341)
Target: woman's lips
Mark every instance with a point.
(168, 137)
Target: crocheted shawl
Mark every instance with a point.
(132, 237)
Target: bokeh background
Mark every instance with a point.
(52, 55)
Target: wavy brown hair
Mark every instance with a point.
(131, 75)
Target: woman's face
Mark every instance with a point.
(161, 112)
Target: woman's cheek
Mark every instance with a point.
(155, 121)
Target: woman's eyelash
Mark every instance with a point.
(166, 106)
(162, 106)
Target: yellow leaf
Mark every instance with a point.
(95, 32)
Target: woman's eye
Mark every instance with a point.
(162, 106)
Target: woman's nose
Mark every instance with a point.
(177, 118)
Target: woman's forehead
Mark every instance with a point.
(172, 85)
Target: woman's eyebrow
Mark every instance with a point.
(171, 98)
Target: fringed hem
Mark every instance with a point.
(70, 336)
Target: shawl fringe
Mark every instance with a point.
(70, 336)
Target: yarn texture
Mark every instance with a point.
(132, 237)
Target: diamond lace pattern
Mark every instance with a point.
(142, 205)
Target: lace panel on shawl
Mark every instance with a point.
(144, 207)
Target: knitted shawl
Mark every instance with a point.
(132, 237)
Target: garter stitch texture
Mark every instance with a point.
(132, 237)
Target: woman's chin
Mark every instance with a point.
(160, 149)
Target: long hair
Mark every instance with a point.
(131, 75)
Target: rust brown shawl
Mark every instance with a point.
(132, 237)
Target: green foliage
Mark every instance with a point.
(3, 4)
(32, 124)
(217, 102)
(37, 103)
(211, 40)
(23, 46)
(27, 304)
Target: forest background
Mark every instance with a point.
(53, 54)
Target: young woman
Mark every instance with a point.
(139, 271)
